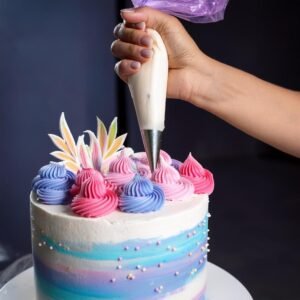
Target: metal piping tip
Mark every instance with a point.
(152, 141)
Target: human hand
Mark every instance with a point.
(133, 47)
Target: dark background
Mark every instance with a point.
(55, 56)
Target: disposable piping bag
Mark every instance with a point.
(149, 86)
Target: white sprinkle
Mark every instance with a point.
(206, 245)
(208, 215)
(120, 258)
(194, 232)
(126, 248)
(208, 250)
(51, 248)
(158, 243)
(176, 273)
(60, 244)
(44, 243)
(113, 280)
(161, 287)
(190, 254)
(203, 248)
(205, 256)
(130, 276)
(144, 269)
(40, 245)
(138, 267)
(208, 238)
(119, 267)
(173, 249)
(201, 261)
(137, 248)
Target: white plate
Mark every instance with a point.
(220, 286)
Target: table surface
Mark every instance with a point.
(220, 286)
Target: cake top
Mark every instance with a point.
(104, 176)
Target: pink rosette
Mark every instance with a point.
(174, 186)
(121, 171)
(94, 199)
(83, 175)
(143, 170)
(141, 157)
(201, 178)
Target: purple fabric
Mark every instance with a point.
(197, 11)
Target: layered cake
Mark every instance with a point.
(104, 227)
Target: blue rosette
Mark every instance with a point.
(52, 184)
(140, 195)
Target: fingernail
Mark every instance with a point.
(140, 25)
(116, 30)
(135, 65)
(128, 10)
(146, 41)
(147, 53)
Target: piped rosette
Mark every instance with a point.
(94, 199)
(141, 157)
(201, 178)
(121, 171)
(83, 175)
(140, 195)
(174, 186)
(142, 165)
(52, 184)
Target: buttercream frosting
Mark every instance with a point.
(174, 186)
(94, 199)
(140, 195)
(201, 178)
(52, 184)
(121, 171)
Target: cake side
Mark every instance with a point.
(121, 256)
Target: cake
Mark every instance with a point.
(104, 227)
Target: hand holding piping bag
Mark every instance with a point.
(241, 99)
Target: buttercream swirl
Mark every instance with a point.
(174, 186)
(83, 175)
(94, 199)
(176, 164)
(201, 178)
(140, 195)
(142, 157)
(52, 184)
(121, 171)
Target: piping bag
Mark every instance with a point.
(148, 87)
(148, 90)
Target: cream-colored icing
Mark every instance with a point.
(61, 224)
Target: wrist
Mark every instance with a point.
(202, 77)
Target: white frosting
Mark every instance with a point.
(59, 222)
(149, 87)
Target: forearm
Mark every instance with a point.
(262, 110)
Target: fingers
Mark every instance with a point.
(130, 51)
(151, 17)
(126, 67)
(129, 34)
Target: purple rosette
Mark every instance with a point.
(52, 184)
(140, 195)
(196, 11)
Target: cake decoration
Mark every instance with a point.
(52, 184)
(106, 246)
(121, 171)
(174, 186)
(140, 195)
(201, 178)
(94, 199)
(79, 155)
